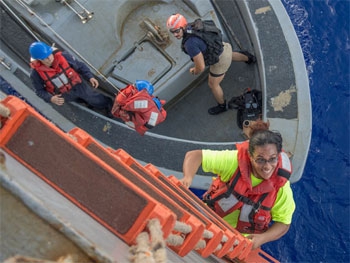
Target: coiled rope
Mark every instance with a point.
(150, 246)
(4, 113)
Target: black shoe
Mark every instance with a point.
(251, 57)
(110, 115)
(106, 112)
(217, 109)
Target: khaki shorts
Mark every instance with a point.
(225, 61)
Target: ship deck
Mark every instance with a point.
(280, 68)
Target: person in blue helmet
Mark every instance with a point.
(57, 77)
(144, 84)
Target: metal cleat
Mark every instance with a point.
(3, 62)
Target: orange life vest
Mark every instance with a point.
(60, 77)
(254, 203)
(138, 109)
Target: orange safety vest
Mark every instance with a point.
(138, 109)
(60, 77)
(254, 203)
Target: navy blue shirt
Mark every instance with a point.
(194, 45)
(78, 66)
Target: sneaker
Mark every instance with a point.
(106, 112)
(251, 57)
(217, 109)
(110, 115)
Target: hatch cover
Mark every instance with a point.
(144, 62)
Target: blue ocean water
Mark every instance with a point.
(320, 227)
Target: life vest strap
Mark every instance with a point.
(255, 209)
(211, 202)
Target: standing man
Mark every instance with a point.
(207, 49)
(57, 78)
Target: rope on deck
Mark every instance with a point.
(4, 113)
(178, 240)
(150, 247)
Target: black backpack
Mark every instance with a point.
(248, 106)
(210, 34)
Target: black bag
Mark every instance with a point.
(210, 34)
(248, 106)
(206, 26)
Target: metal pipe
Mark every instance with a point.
(19, 20)
(82, 18)
(66, 43)
(89, 14)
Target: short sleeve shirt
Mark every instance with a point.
(194, 45)
(225, 163)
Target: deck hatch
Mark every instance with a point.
(145, 59)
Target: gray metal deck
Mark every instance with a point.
(267, 32)
(279, 73)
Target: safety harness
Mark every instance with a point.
(254, 203)
(210, 34)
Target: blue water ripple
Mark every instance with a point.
(320, 228)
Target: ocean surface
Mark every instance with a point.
(320, 227)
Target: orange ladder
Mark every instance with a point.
(234, 243)
(107, 177)
(144, 178)
(241, 249)
(80, 176)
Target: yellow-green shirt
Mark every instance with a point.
(225, 163)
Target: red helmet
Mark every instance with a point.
(176, 21)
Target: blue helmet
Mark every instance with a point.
(39, 50)
(144, 84)
(157, 102)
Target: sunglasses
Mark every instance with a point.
(262, 161)
(175, 31)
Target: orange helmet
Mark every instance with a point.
(176, 21)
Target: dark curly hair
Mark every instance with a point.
(263, 137)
